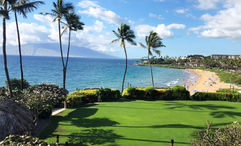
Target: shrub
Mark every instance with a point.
(151, 93)
(17, 84)
(201, 96)
(22, 140)
(108, 94)
(228, 90)
(180, 93)
(46, 112)
(74, 100)
(129, 92)
(56, 93)
(228, 136)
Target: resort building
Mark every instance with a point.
(220, 56)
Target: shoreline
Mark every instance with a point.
(206, 82)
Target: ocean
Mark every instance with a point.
(90, 73)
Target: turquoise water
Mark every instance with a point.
(89, 73)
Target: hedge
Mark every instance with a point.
(80, 97)
(202, 96)
(150, 93)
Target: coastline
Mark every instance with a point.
(206, 82)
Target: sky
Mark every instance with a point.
(186, 26)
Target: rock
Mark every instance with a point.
(14, 119)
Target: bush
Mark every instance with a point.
(74, 100)
(228, 90)
(108, 94)
(46, 112)
(180, 93)
(17, 140)
(57, 93)
(201, 96)
(87, 96)
(17, 84)
(228, 136)
(129, 92)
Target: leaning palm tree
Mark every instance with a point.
(153, 41)
(73, 24)
(22, 7)
(124, 34)
(60, 9)
(4, 12)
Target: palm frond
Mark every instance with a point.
(26, 7)
(131, 41)
(142, 45)
(4, 13)
(114, 41)
(116, 34)
(158, 52)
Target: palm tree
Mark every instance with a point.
(60, 9)
(22, 7)
(4, 12)
(73, 24)
(153, 41)
(124, 34)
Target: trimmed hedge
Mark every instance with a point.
(202, 96)
(150, 93)
(80, 97)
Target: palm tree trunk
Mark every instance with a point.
(19, 49)
(5, 54)
(61, 52)
(123, 82)
(67, 59)
(152, 80)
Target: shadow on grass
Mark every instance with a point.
(100, 137)
(173, 126)
(76, 118)
(222, 114)
(176, 105)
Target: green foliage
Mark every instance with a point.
(74, 100)
(228, 90)
(108, 95)
(230, 135)
(22, 140)
(201, 96)
(46, 112)
(17, 84)
(80, 97)
(180, 93)
(56, 93)
(150, 93)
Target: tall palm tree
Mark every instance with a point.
(60, 9)
(73, 24)
(123, 34)
(22, 7)
(4, 12)
(153, 41)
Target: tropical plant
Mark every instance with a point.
(59, 11)
(123, 34)
(153, 41)
(4, 12)
(73, 24)
(22, 7)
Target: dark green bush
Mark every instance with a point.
(108, 95)
(57, 93)
(46, 112)
(228, 136)
(130, 92)
(23, 140)
(151, 93)
(180, 93)
(74, 100)
(17, 84)
(201, 96)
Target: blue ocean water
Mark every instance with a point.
(89, 73)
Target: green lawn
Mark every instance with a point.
(139, 122)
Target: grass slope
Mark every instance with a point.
(139, 122)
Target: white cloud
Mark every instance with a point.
(208, 4)
(225, 24)
(181, 11)
(163, 30)
(157, 16)
(93, 9)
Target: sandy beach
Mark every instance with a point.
(206, 82)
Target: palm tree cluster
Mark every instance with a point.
(153, 41)
(22, 7)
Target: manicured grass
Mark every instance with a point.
(139, 122)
